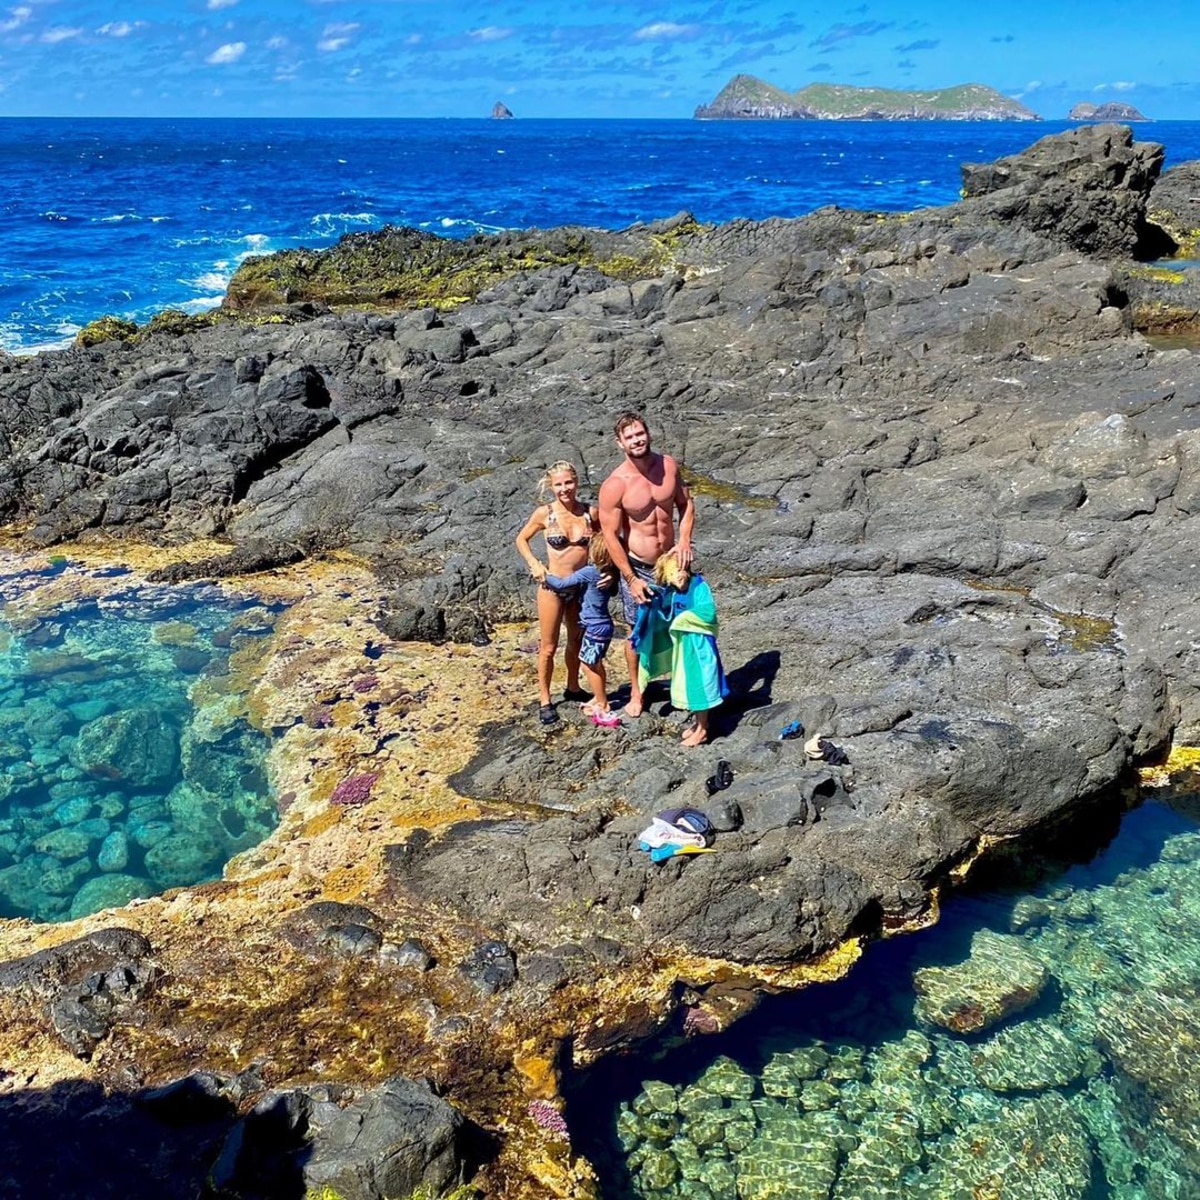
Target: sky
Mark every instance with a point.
(574, 58)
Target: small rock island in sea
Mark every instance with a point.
(501, 111)
(1109, 111)
(943, 477)
(745, 98)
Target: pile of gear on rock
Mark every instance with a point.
(687, 831)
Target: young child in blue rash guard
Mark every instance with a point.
(599, 582)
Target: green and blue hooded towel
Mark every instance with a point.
(676, 635)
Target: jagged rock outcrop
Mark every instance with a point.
(1088, 187)
(501, 111)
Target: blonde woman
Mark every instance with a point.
(567, 525)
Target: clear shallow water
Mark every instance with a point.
(133, 216)
(851, 1091)
(126, 764)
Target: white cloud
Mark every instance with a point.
(61, 33)
(215, 4)
(16, 18)
(413, 39)
(489, 33)
(119, 29)
(277, 43)
(335, 37)
(1124, 85)
(665, 29)
(228, 53)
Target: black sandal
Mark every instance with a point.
(547, 714)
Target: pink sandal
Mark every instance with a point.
(605, 719)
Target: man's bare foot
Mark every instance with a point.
(696, 736)
(633, 710)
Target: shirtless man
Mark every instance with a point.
(638, 502)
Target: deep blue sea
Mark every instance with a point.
(133, 216)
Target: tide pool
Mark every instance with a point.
(127, 764)
(1038, 1044)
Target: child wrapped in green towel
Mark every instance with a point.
(676, 635)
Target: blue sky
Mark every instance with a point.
(572, 58)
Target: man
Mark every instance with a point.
(638, 502)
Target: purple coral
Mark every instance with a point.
(365, 683)
(699, 1020)
(548, 1117)
(355, 790)
(319, 716)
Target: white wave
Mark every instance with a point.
(200, 304)
(256, 239)
(210, 281)
(329, 218)
(464, 222)
(10, 339)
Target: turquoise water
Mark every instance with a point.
(1087, 1084)
(126, 764)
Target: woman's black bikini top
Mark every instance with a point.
(560, 541)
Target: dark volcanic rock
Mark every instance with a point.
(85, 984)
(357, 1144)
(942, 488)
(1087, 187)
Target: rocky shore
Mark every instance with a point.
(946, 485)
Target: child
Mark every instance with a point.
(680, 638)
(599, 582)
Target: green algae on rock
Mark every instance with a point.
(400, 267)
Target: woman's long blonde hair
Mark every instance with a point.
(543, 484)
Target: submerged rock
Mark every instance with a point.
(1000, 977)
(1035, 1150)
(1032, 1056)
(136, 746)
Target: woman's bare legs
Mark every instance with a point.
(698, 734)
(550, 610)
(574, 641)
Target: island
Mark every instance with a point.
(1113, 110)
(745, 97)
(501, 111)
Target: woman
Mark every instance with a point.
(568, 526)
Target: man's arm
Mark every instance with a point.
(686, 507)
(612, 491)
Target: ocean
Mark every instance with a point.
(134, 216)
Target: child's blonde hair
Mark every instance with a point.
(664, 563)
(598, 554)
(543, 485)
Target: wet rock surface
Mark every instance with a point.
(942, 487)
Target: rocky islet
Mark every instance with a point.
(943, 485)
